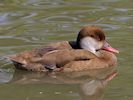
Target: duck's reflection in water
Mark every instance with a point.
(92, 83)
(94, 89)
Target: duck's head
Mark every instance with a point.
(92, 38)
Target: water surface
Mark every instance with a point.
(27, 24)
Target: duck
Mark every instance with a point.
(90, 51)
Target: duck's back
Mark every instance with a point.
(26, 58)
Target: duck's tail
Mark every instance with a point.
(18, 63)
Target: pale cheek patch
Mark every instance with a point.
(90, 44)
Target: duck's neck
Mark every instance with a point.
(76, 45)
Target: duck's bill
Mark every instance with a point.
(107, 47)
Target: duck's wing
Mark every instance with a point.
(76, 66)
(72, 60)
(65, 57)
(29, 58)
(84, 65)
(61, 45)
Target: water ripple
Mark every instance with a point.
(122, 18)
(4, 18)
(5, 76)
(61, 18)
(124, 9)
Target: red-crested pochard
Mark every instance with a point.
(89, 51)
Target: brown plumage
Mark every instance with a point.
(71, 56)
